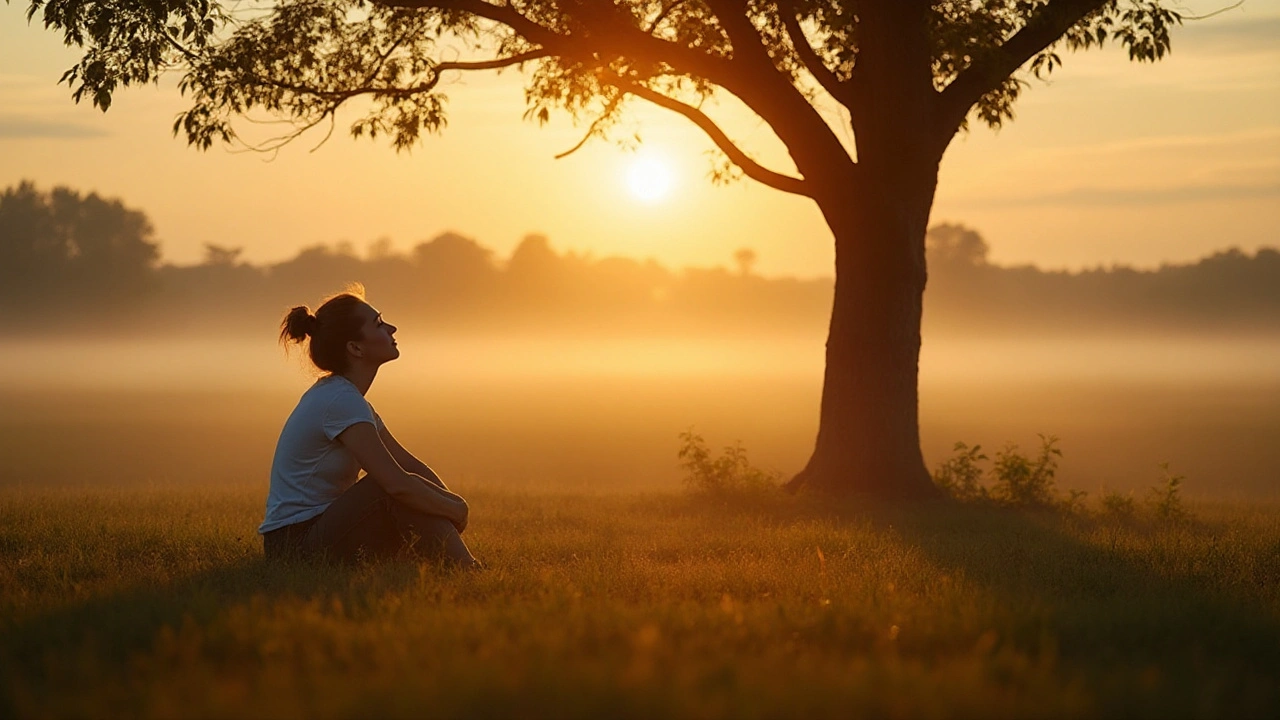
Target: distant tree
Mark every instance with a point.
(955, 246)
(221, 256)
(453, 255)
(380, 249)
(533, 260)
(746, 259)
(909, 74)
(455, 271)
(64, 249)
(315, 271)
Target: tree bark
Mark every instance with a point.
(869, 435)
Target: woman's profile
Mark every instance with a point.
(317, 504)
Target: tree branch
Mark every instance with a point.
(989, 71)
(339, 96)
(668, 8)
(751, 168)
(503, 14)
(755, 81)
(496, 63)
(594, 128)
(743, 36)
(811, 60)
(604, 38)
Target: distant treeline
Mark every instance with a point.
(75, 262)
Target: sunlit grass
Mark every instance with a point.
(157, 603)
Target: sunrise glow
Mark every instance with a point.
(649, 179)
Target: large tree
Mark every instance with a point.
(910, 74)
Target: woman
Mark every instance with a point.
(316, 505)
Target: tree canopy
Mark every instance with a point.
(304, 59)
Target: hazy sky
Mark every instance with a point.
(1111, 162)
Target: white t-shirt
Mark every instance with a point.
(311, 467)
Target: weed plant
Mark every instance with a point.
(1016, 480)
(730, 474)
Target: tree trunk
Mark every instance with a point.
(869, 434)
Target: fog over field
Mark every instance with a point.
(553, 369)
(603, 414)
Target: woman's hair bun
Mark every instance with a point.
(298, 324)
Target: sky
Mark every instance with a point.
(1110, 162)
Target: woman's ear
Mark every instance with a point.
(354, 348)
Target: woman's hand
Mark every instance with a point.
(412, 490)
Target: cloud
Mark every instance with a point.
(1174, 195)
(1232, 36)
(1252, 143)
(22, 128)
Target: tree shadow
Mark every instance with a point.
(1173, 619)
(1174, 624)
(107, 630)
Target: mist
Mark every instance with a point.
(552, 370)
(603, 414)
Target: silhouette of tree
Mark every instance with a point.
(380, 249)
(64, 250)
(315, 271)
(955, 246)
(457, 276)
(452, 282)
(746, 259)
(909, 73)
(220, 256)
(534, 269)
(460, 262)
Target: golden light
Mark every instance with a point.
(649, 178)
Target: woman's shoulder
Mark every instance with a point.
(327, 389)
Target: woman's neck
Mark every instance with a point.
(361, 376)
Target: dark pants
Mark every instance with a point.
(367, 523)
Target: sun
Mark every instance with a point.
(649, 179)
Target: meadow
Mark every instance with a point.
(157, 603)
(132, 581)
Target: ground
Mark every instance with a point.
(156, 603)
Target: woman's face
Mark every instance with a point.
(378, 337)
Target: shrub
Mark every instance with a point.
(729, 473)
(960, 477)
(1023, 481)
(1166, 499)
(1020, 481)
(1075, 501)
(1120, 507)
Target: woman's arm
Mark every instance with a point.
(407, 460)
(416, 491)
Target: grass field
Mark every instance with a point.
(156, 603)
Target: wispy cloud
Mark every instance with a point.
(17, 128)
(1231, 35)
(1249, 141)
(1103, 196)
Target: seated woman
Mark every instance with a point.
(316, 505)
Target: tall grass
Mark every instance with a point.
(158, 604)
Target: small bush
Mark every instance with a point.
(1165, 499)
(1119, 507)
(1075, 501)
(960, 477)
(1016, 479)
(729, 473)
(1023, 481)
